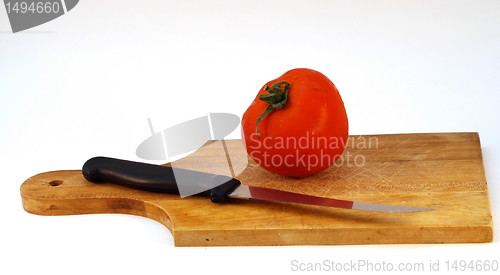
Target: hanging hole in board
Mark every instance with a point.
(55, 182)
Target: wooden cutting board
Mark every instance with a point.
(442, 171)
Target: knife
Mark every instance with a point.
(162, 179)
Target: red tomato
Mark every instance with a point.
(297, 125)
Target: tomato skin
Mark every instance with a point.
(304, 137)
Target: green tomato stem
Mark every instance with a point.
(276, 98)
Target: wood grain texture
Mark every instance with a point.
(442, 171)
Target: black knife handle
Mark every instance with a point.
(153, 178)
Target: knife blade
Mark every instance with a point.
(162, 179)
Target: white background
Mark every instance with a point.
(85, 84)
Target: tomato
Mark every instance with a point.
(297, 124)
